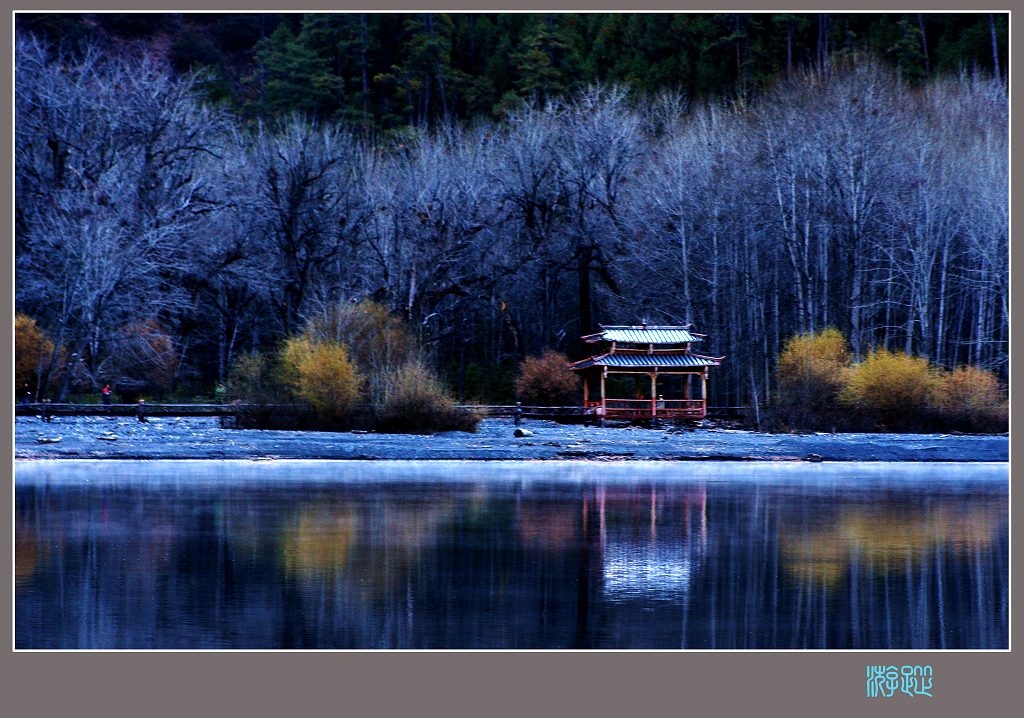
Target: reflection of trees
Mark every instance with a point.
(887, 541)
(895, 574)
(27, 554)
(513, 566)
(546, 526)
(373, 545)
(319, 541)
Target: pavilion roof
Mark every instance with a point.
(645, 334)
(647, 361)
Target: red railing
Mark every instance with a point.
(651, 408)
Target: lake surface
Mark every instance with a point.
(539, 555)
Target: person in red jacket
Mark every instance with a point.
(106, 395)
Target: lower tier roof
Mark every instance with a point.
(647, 361)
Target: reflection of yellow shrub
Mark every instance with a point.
(971, 398)
(894, 387)
(321, 374)
(546, 380)
(887, 541)
(320, 542)
(28, 554)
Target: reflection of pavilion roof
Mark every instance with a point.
(644, 335)
(642, 571)
(647, 360)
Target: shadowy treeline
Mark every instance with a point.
(386, 72)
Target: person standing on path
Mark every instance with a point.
(106, 395)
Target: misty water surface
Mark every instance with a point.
(559, 555)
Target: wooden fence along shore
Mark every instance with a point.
(145, 410)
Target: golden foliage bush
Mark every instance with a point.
(397, 383)
(814, 361)
(356, 365)
(322, 374)
(811, 371)
(380, 343)
(33, 352)
(970, 399)
(892, 388)
(546, 380)
(893, 391)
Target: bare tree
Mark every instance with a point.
(110, 206)
(307, 195)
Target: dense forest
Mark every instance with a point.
(383, 73)
(191, 188)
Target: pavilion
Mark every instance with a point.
(645, 373)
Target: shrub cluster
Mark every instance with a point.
(810, 373)
(891, 389)
(33, 354)
(547, 380)
(416, 402)
(971, 397)
(820, 388)
(355, 365)
(322, 375)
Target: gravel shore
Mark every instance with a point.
(203, 438)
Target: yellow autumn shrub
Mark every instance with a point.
(379, 342)
(970, 399)
(811, 370)
(361, 365)
(814, 362)
(33, 352)
(892, 388)
(322, 374)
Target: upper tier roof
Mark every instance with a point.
(644, 335)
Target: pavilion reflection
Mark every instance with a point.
(652, 542)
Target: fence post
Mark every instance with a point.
(519, 412)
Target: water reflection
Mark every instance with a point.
(641, 562)
(290, 555)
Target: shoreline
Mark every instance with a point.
(201, 438)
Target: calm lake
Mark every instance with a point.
(541, 555)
